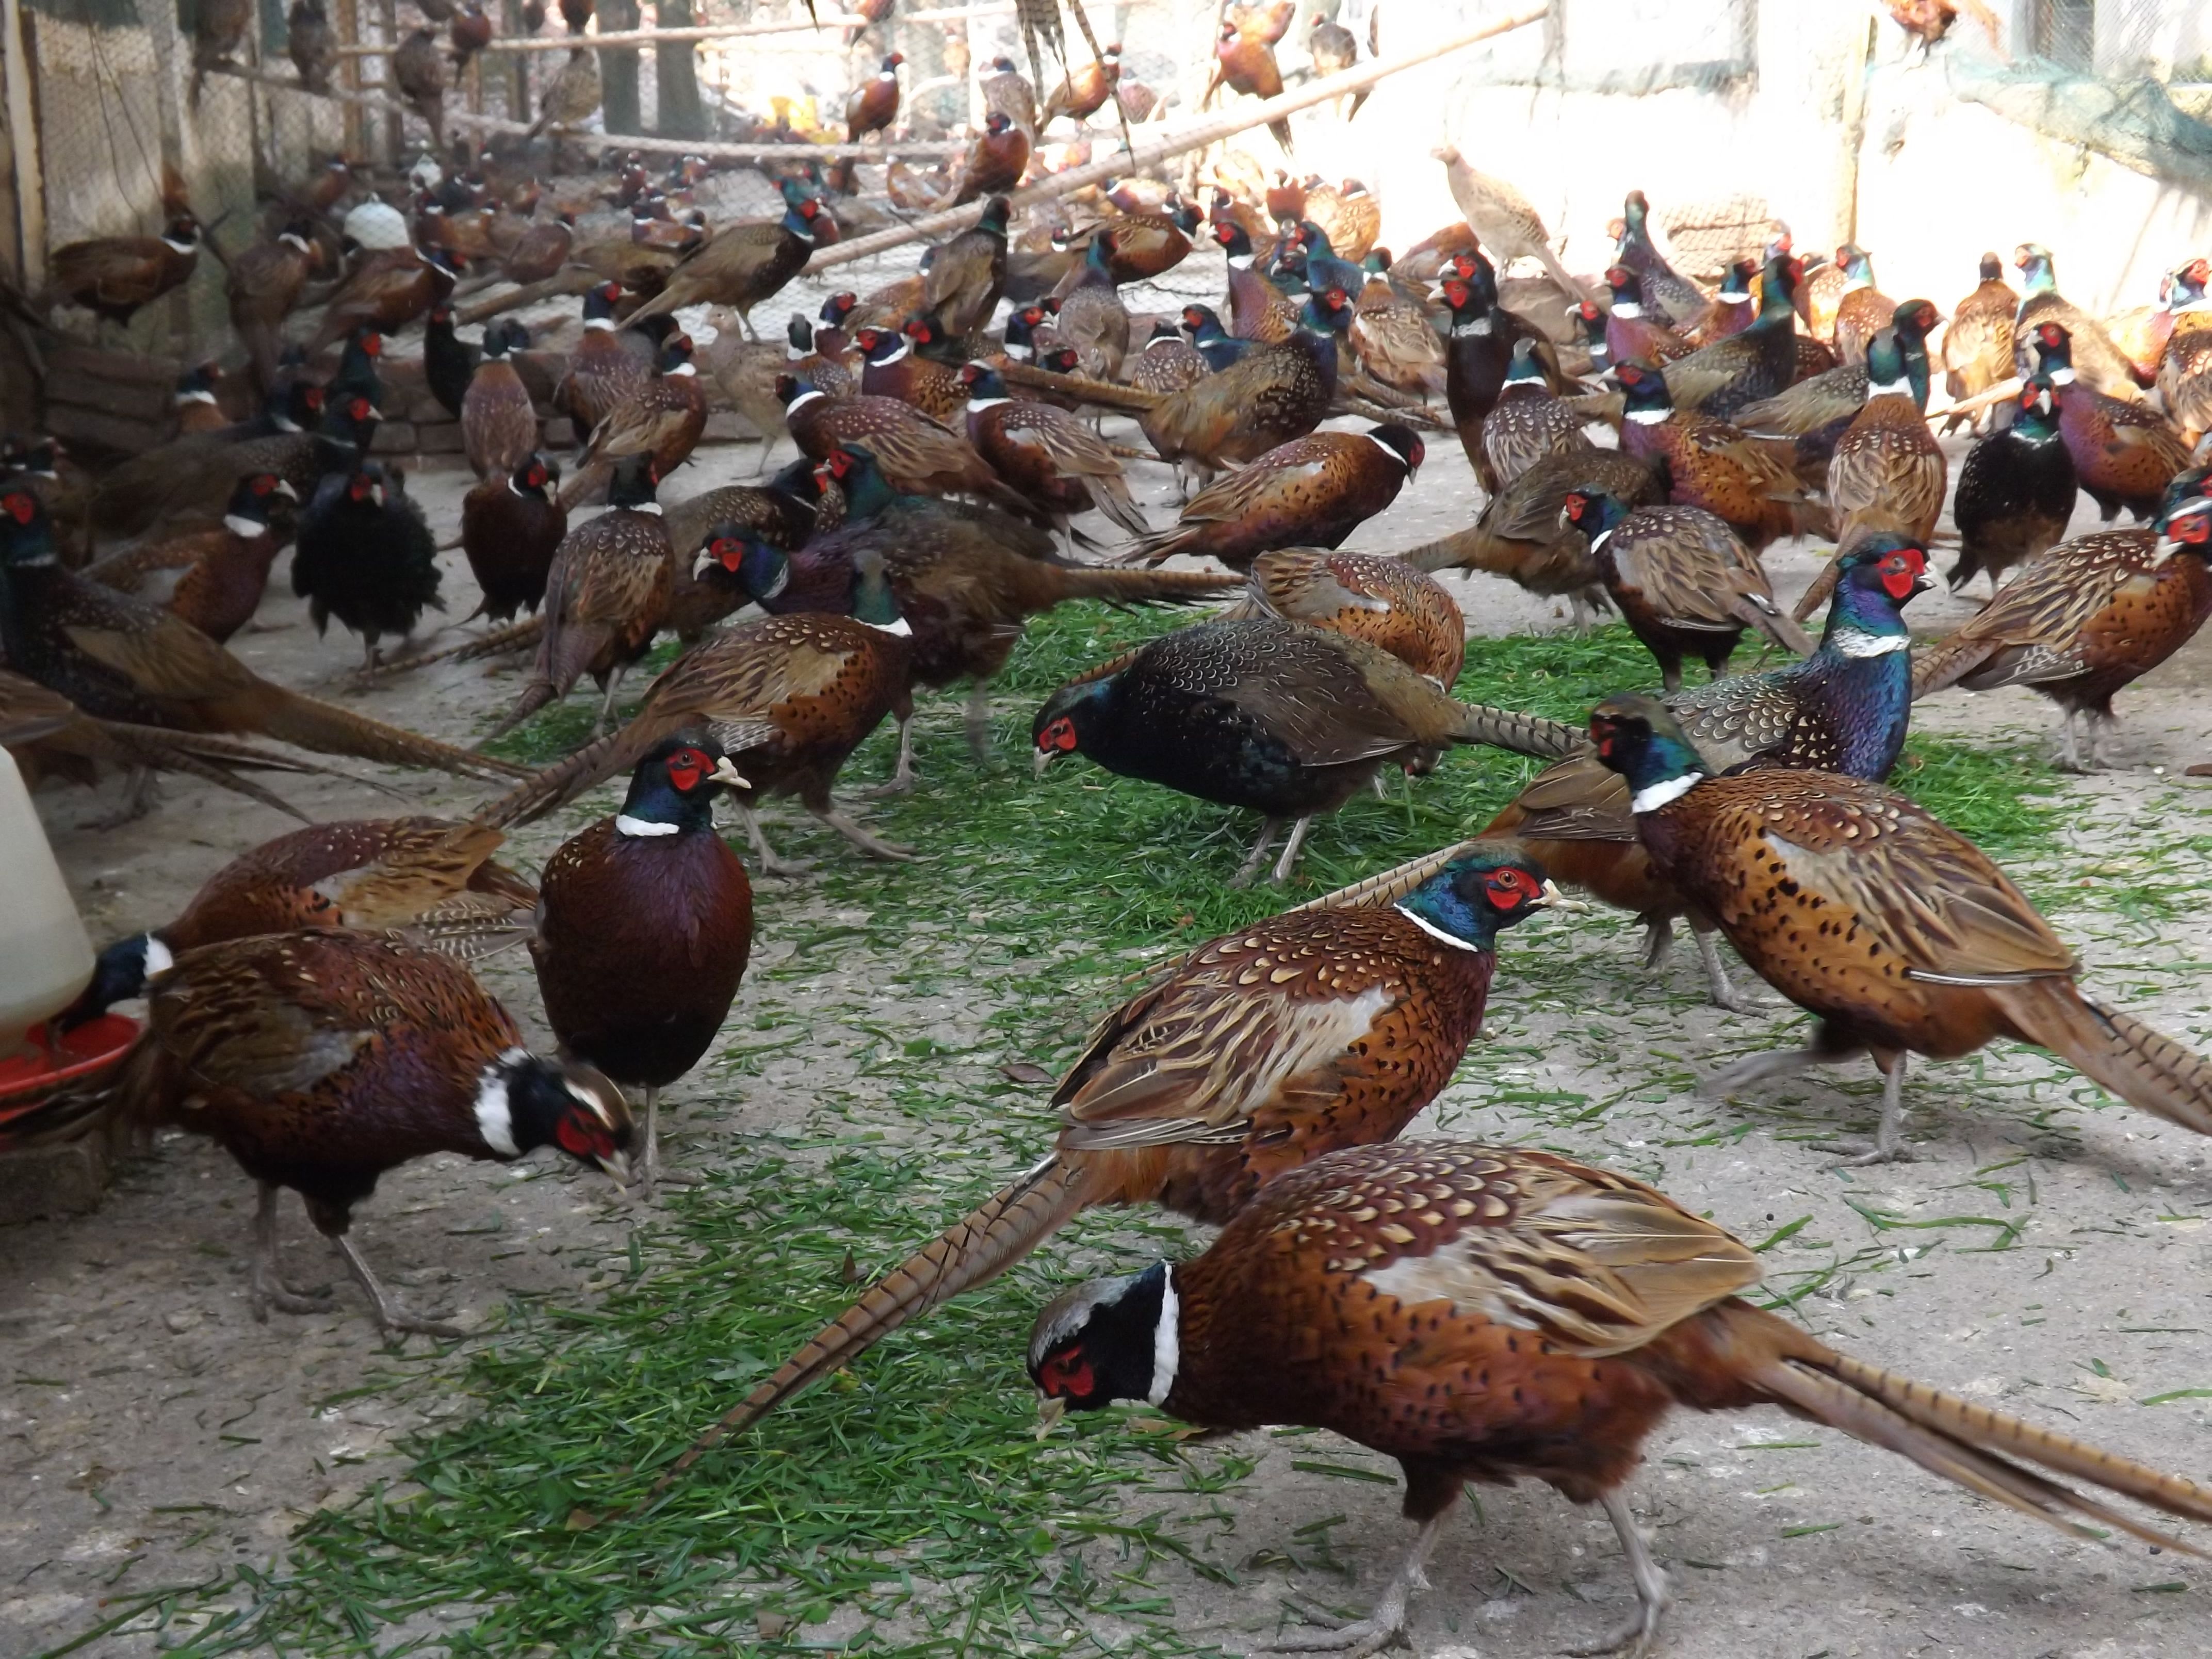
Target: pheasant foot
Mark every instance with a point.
(902, 778)
(764, 856)
(1889, 1145)
(268, 1287)
(1718, 986)
(1380, 1628)
(1289, 861)
(1250, 867)
(1652, 1594)
(390, 1312)
(872, 844)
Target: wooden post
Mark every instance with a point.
(30, 225)
(1318, 91)
(680, 114)
(348, 23)
(618, 95)
(395, 138)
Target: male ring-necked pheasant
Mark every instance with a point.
(1487, 1313)
(1317, 1030)
(2090, 615)
(1845, 708)
(1286, 721)
(1893, 930)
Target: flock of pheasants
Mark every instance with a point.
(1477, 1312)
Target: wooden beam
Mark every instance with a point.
(24, 143)
(1314, 92)
(702, 32)
(622, 141)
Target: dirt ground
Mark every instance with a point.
(151, 1434)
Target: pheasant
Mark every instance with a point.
(961, 288)
(1720, 379)
(2185, 366)
(499, 423)
(1258, 309)
(1141, 246)
(1504, 220)
(1384, 601)
(1682, 581)
(1392, 337)
(1091, 317)
(1274, 394)
(117, 657)
(1710, 465)
(2016, 491)
(892, 368)
(1886, 465)
(1843, 709)
(2124, 454)
(320, 1059)
(1479, 351)
(1168, 362)
(1632, 335)
(1865, 309)
(1522, 535)
(1045, 453)
(367, 556)
(212, 579)
(874, 104)
(965, 579)
(792, 507)
(745, 262)
(645, 924)
(116, 276)
(2090, 616)
(788, 699)
(1818, 411)
(511, 528)
(264, 285)
(1311, 492)
(661, 421)
(1083, 93)
(917, 455)
(995, 161)
(1283, 720)
(1257, 1052)
(1484, 1313)
(1676, 299)
(2100, 362)
(1244, 61)
(606, 596)
(1890, 928)
(1528, 422)
(431, 880)
(1978, 345)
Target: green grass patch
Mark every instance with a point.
(914, 1487)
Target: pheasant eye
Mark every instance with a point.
(262, 486)
(1067, 1376)
(21, 508)
(582, 1139)
(729, 554)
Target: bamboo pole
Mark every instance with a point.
(702, 32)
(627, 140)
(1207, 132)
(30, 225)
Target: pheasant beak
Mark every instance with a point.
(1040, 760)
(1050, 1409)
(285, 491)
(616, 1163)
(727, 775)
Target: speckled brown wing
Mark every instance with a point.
(602, 373)
(917, 455)
(1519, 534)
(605, 596)
(1043, 442)
(274, 1045)
(1166, 365)
(2033, 629)
(2185, 375)
(1384, 601)
(1332, 699)
(2099, 363)
(1396, 342)
(1692, 571)
(1275, 394)
(499, 425)
(1856, 904)
(1528, 424)
(1978, 340)
(1303, 1033)
(1887, 463)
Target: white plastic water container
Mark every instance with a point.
(45, 959)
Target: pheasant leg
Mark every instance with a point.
(142, 791)
(1889, 1145)
(901, 779)
(1758, 1068)
(607, 704)
(874, 846)
(1289, 861)
(268, 1287)
(390, 1312)
(1652, 1594)
(1658, 940)
(1718, 986)
(1387, 1622)
(1250, 867)
(763, 855)
(978, 723)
